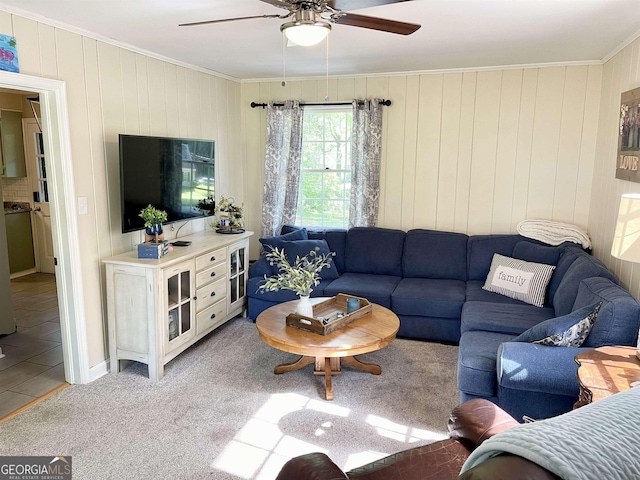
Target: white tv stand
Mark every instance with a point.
(156, 309)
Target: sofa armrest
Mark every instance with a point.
(440, 460)
(538, 368)
(260, 268)
(476, 420)
(312, 466)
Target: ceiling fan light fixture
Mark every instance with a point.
(306, 33)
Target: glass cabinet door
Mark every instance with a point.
(238, 256)
(179, 317)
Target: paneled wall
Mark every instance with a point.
(112, 90)
(472, 152)
(620, 74)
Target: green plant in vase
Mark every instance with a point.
(300, 277)
(153, 219)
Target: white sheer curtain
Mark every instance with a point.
(281, 166)
(366, 142)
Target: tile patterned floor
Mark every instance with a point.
(33, 363)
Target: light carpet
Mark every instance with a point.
(221, 413)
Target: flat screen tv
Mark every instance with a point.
(172, 174)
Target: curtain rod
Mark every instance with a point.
(386, 103)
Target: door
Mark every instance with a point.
(41, 217)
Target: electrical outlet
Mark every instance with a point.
(82, 206)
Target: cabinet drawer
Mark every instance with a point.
(211, 293)
(211, 274)
(215, 314)
(212, 258)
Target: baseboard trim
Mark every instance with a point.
(99, 370)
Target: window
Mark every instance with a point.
(325, 173)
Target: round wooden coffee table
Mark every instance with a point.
(367, 334)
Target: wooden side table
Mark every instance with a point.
(605, 371)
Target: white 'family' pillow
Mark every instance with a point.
(525, 281)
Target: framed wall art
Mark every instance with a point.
(8, 54)
(628, 159)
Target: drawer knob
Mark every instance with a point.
(213, 294)
(213, 274)
(213, 259)
(213, 315)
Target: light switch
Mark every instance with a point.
(82, 206)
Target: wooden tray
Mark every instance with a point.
(324, 320)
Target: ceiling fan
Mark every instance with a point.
(311, 19)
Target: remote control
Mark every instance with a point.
(181, 243)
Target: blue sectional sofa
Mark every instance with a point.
(434, 282)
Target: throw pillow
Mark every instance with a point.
(269, 243)
(559, 328)
(302, 248)
(524, 281)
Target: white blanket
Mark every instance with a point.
(553, 233)
(600, 441)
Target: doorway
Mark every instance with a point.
(57, 151)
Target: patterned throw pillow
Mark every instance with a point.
(575, 335)
(524, 281)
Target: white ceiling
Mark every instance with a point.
(454, 34)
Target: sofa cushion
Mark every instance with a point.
(375, 288)
(559, 326)
(526, 281)
(337, 241)
(477, 359)
(475, 293)
(619, 316)
(481, 248)
(302, 248)
(428, 297)
(567, 256)
(585, 266)
(432, 254)
(374, 250)
(502, 318)
(532, 252)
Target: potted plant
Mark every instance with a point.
(153, 219)
(300, 277)
(230, 216)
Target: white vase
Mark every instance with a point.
(304, 306)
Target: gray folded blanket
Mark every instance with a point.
(553, 233)
(596, 442)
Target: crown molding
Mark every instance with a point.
(85, 33)
(622, 46)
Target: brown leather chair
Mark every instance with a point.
(469, 425)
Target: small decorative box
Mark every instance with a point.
(150, 250)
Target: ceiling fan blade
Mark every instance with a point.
(346, 5)
(229, 20)
(375, 23)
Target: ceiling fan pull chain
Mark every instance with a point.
(326, 98)
(284, 60)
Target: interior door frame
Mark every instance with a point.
(64, 226)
